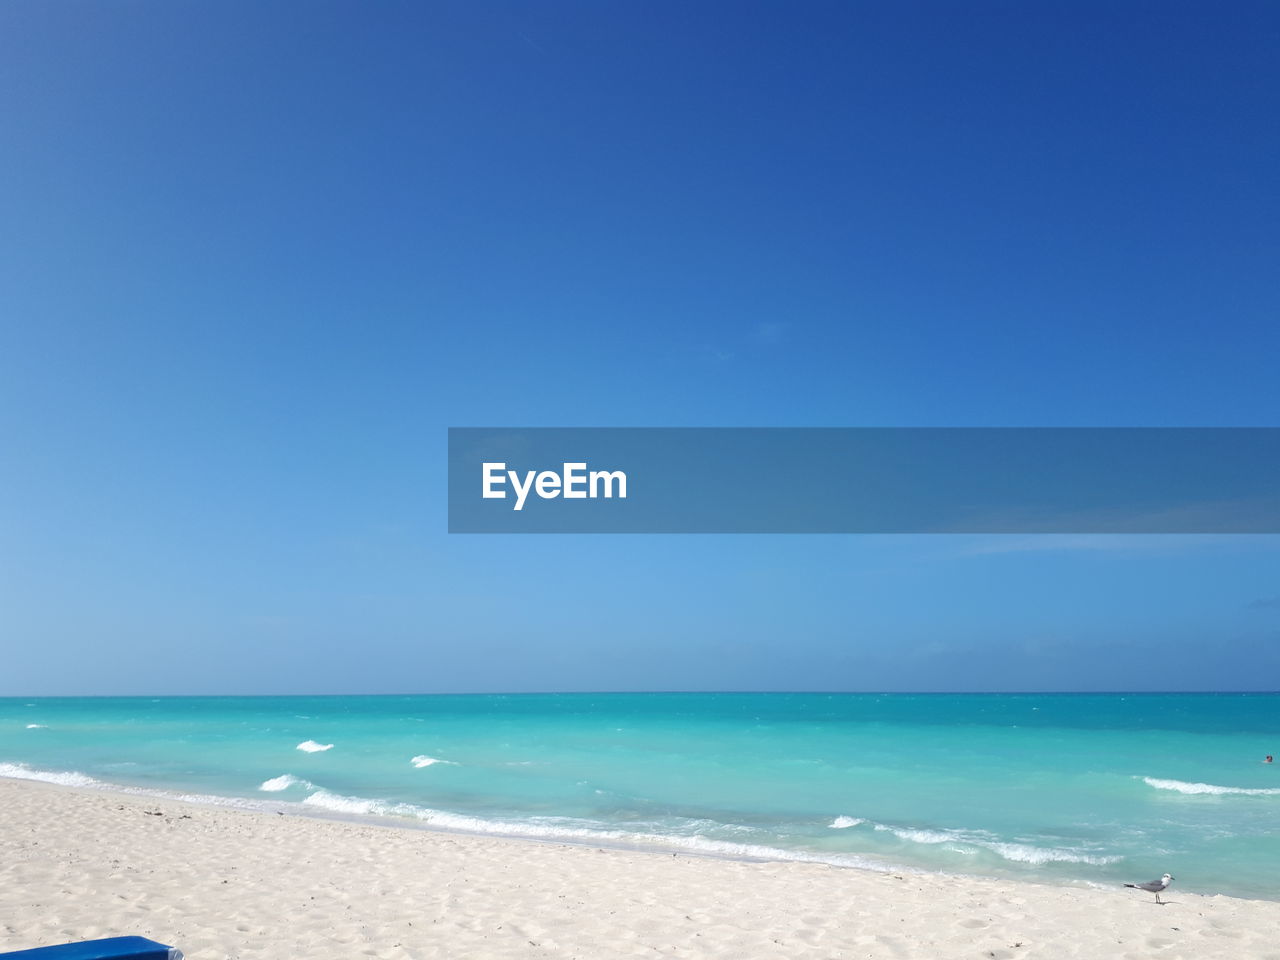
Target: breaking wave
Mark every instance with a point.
(66, 778)
(844, 823)
(971, 842)
(284, 782)
(424, 761)
(1212, 789)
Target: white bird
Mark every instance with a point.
(1153, 886)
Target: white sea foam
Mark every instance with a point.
(310, 746)
(970, 842)
(1028, 853)
(340, 804)
(1181, 786)
(207, 799)
(844, 823)
(921, 836)
(551, 828)
(284, 782)
(36, 726)
(73, 778)
(422, 760)
(66, 778)
(562, 828)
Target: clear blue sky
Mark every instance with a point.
(256, 258)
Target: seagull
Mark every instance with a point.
(1153, 886)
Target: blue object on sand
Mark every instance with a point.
(112, 948)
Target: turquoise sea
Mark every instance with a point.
(1067, 788)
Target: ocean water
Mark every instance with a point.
(1067, 788)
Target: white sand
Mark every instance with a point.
(77, 864)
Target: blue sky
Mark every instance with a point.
(255, 259)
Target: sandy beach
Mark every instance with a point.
(218, 882)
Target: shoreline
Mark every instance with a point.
(663, 845)
(660, 845)
(223, 881)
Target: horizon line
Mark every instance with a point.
(644, 693)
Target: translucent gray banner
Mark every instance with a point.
(864, 480)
